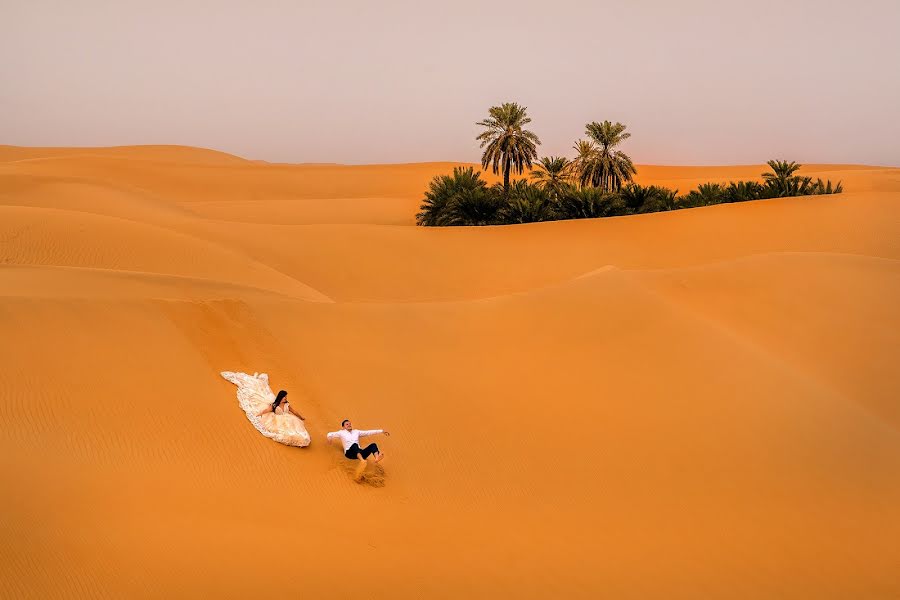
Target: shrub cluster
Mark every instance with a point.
(463, 198)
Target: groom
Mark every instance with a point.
(350, 440)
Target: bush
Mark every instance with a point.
(478, 206)
(527, 203)
(706, 194)
(793, 186)
(463, 198)
(663, 199)
(589, 203)
(441, 205)
(824, 187)
(639, 199)
(635, 196)
(742, 191)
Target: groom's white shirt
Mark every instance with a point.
(348, 438)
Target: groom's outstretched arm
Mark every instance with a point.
(366, 432)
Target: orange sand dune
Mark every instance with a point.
(692, 404)
(171, 154)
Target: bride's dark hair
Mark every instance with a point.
(278, 399)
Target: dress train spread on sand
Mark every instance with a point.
(253, 395)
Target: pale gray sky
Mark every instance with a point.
(696, 81)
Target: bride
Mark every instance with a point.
(273, 416)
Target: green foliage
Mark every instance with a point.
(824, 187)
(552, 174)
(640, 199)
(508, 146)
(589, 203)
(446, 192)
(782, 182)
(598, 182)
(585, 168)
(598, 163)
(794, 186)
(634, 196)
(779, 180)
(741, 191)
(479, 206)
(666, 199)
(706, 194)
(527, 203)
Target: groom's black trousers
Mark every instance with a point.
(354, 450)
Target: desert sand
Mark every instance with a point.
(696, 404)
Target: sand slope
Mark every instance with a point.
(694, 404)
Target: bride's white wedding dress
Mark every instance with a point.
(253, 395)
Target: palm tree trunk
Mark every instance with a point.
(506, 169)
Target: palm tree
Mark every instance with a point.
(477, 206)
(667, 199)
(741, 191)
(824, 187)
(612, 168)
(799, 186)
(653, 198)
(585, 167)
(636, 196)
(507, 145)
(706, 194)
(445, 192)
(552, 174)
(780, 178)
(527, 203)
(589, 203)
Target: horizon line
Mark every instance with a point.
(398, 163)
